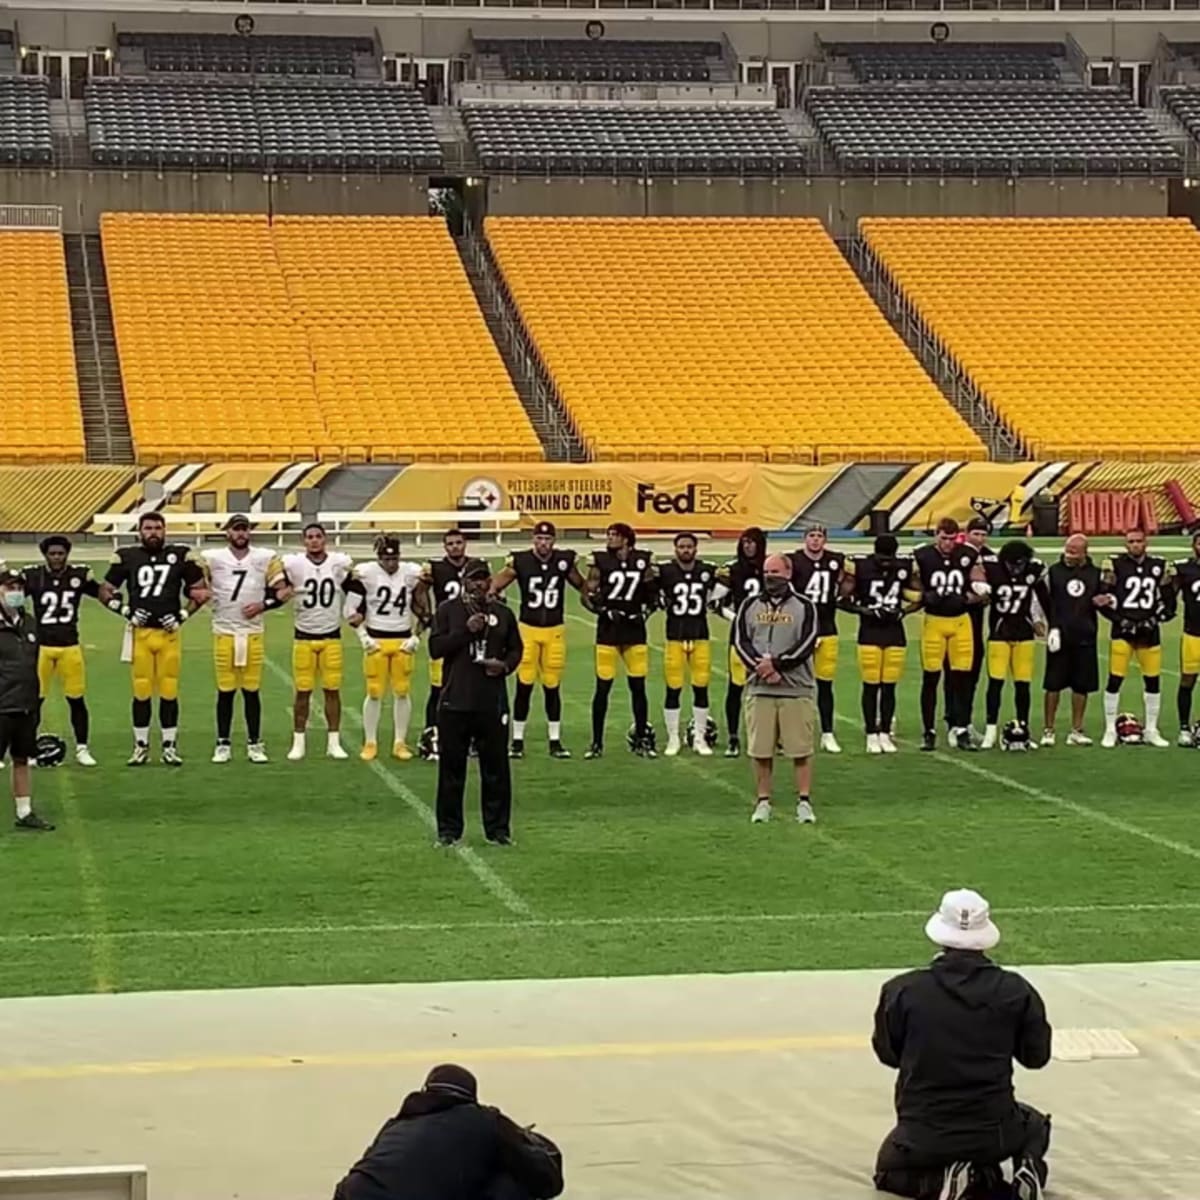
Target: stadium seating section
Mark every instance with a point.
(40, 395)
(740, 338)
(575, 139)
(1083, 334)
(300, 125)
(605, 60)
(875, 61)
(1184, 103)
(314, 337)
(259, 55)
(997, 130)
(24, 120)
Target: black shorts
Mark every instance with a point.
(1074, 668)
(18, 736)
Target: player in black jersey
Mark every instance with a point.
(1016, 578)
(977, 533)
(817, 574)
(879, 587)
(441, 580)
(542, 575)
(57, 589)
(163, 585)
(1187, 586)
(1144, 597)
(684, 587)
(620, 590)
(736, 581)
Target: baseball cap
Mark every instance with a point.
(452, 1080)
(963, 921)
(545, 527)
(476, 569)
(238, 521)
(10, 576)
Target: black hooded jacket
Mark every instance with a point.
(441, 1147)
(953, 1029)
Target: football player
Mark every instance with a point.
(977, 532)
(245, 581)
(685, 585)
(57, 589)
(951, 580)
(1015, 577)
(318, 581)
(441, 580)
(817, 574)
(736, 581)
(163, 584)
(1144, 597)
(619, 590)
(879, 588)
(381, 611)
(1187, 584)
(541, 574)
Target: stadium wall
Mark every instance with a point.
(710, 496)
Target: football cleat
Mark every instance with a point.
(1109, 740)
(501, 839)
(887, 744)
(874, 746)
(804, 813)
(222, 753)
(595, 750)
(830, 744)
(558, 750)
(140, 756)
(335, 750)
(761, 813)
(427, 746)
(673, 746)
(989, 738)
(929, 740)
(256, 752)
(1153, 738)
(1049, 738)
(298, 750)
(517, 749)
(401, 751)
(733, 748)
(1187, 737)
(83, 756)
(1016, 736)
(32, 823)
(446, 842)
(170, 755)
(702, 748)
(1129, 730)
(369, 752)
(709, 738)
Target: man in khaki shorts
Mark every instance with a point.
(775, 635)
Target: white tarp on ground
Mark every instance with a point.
(748, 1087)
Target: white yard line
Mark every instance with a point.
(489, 879)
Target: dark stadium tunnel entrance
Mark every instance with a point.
(461, 199)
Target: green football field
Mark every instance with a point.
(325, 872)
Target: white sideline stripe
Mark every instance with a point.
(533, 924)
(482, 872)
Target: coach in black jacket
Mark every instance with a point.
(952, 1029)
(480, 646)
(444, 1145)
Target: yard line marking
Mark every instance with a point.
(490, 880)
(97, 935)
(1076, 806)
(541, 924)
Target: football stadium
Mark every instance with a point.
(756, 443)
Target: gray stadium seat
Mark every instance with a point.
(258, 55)
(1184, 104)
(1013, 61)
(996, 131)
(24, 121)
(603, 60)
(595, 139)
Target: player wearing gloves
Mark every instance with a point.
(619, 591)
(878, 587)
(379, 607)
(163, 585)
(1144, 598)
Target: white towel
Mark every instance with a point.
(241, 649)
(127, 645)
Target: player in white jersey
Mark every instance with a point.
(379, 605)
(318, 579)
(245, 581)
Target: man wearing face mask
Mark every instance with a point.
(478, 640)
(19, 695)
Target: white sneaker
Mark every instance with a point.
(256, 752)
(873, 744)
(804, 813)
(335, 750)
(886, 744)
(673, 746)
(702, 748)
(83, 756)
(1185, 738)
(1078, 738)
(1109, 740)
(299, 748)
(223, 752)
(830, 744)
(1049, 738)
(1153, 738)
(989, 738)
(761, 813)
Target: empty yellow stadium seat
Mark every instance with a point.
(42, 418)
(716, 338)
(1083, 334)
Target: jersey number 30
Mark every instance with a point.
(319, 592)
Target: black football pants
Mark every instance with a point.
(913, 1158)
(489, 733)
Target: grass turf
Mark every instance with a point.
(324, 872)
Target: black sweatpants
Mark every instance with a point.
(489, 733)
(913, 1158)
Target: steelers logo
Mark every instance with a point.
(493, 619)
(965, 560)
(562, 564)
(171, 559)
(902, 574)
(1154, 571)
(74, 583)
(484, 491)
(1075, 588)
(640, 564)
(703, 576)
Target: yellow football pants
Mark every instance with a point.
(388, 664)
(694, 658)
(544, 656)
(310, 659)
(881, 664)
(1149, 659)
(231, 676)
(636, 659)
(156, 663)
(65, 663)
(947, 636)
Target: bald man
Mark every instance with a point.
(1077, 593)
(775, 635)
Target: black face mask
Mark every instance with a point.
(776, 585)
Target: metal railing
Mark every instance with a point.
(782, 5)
(31, 216)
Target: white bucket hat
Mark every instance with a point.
(963, 921)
